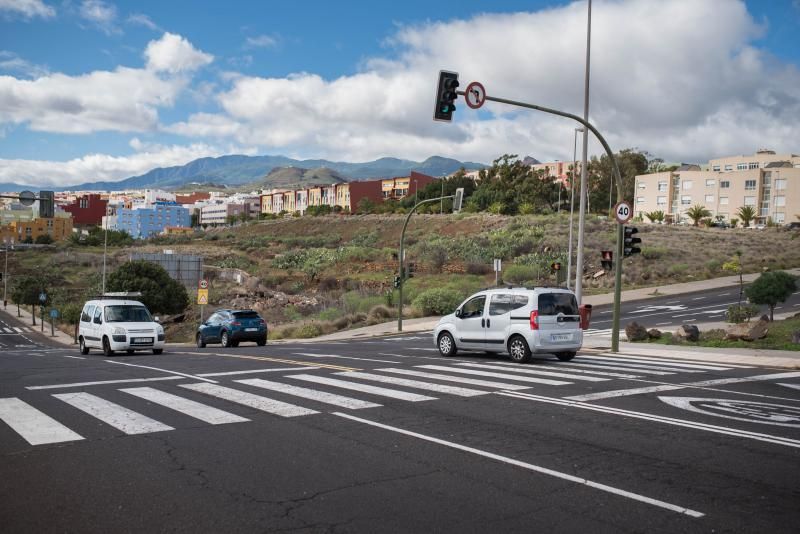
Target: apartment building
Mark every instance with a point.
(58, 228)
(87, 210)
(218, 213)
(767, 181)
(144, 222)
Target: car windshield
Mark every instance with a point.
(127, 314)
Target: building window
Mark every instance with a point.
(780, 184)
(723, 201)
(753, 165)
(662, 187)
(749, 201)
(780, 201)
(724, 184)
(749, 185)
(741, 167)
(780, 217)
(661, 201)
(642, 185)
(711, 183)
(687, 184)
(715, 168)
(709, 199)
(639, 200)
(728, 167)
(686, 200)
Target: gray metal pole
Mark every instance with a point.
(105, 247)
(582, 210)
(572, 202)
(5, 277)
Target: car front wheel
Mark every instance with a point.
(84, 348)
(447, 345)
(107, 347)
(200, 342)
(224, 339)
(518, 349)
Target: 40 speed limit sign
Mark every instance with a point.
(623, 212)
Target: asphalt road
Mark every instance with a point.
(296, 437)
(671, 311)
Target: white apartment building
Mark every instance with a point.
(767, 181)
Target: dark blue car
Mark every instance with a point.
(229, 327)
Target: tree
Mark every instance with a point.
(735, 266)
(655, 216)
(26, 291)
(160, 293)
(601, 185)
(71, 314)
(43, 239)
(771, 288)
(697, 212)
(746, 214)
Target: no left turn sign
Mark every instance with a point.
(475, 95)
(623, 212)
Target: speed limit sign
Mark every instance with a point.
(623, 212)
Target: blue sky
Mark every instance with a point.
(93, 89)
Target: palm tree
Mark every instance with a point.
(697, 212)
(747, 214)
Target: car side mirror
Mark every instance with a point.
(157, 319)
(98, 321)
(458, 312)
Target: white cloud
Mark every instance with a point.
(173, 53)
(11, 62)
(103, 167)
(261, 41)
(143, 20)
(662, 79)
(27, 8)
(100, 14)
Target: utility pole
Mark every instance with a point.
(5, 273)
(582, 209)
(572, 201)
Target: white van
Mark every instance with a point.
(116, 323)
(519, 321)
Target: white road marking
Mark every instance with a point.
(416, 384)
(663, 363)
(112, 414)
(781, 414)
(615, 368)
(635, 366)
(19, 330)
(667, 361)
(622, 393)
(258, 402)
(723, 294)
(778, 440)
(531, 467)
(193, 377)
(76, 357)
(34, 426)
(698, 298)
(103, 382)
(571, 370)
(664, 324)
(505, 376)
(188, 407)
(754, 378)
(311, 394)
(457, 379)
(355, 386)
(793, 386)
(419, 348)
(312, 355)
(533, 371)
(253, 371)
(438, 359)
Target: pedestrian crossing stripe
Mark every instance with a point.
(462, 379)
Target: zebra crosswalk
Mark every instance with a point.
(15, 330)
(290, 393)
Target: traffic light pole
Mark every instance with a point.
(402, 250)
(618, 179)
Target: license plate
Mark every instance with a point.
(142, 340)
(251, 329)
(561, 337)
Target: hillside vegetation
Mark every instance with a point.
(311, 275)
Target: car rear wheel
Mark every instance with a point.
(200, 342)
(129, 351)
(447, 345)
(157, 351)
(261, 342)
(107, 347)
(84, 348)
(518, 349)
(234, 343)
(565, 356)
(224, 339)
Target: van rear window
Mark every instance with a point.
(245, 315)
(555, 303)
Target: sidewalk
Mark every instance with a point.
(25, 318)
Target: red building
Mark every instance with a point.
(87, 210)
(192, 198)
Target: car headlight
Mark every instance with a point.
(159, 329)
(118, 331)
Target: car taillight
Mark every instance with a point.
(236, 323)
(535, 320)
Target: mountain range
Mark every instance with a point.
(238, 170)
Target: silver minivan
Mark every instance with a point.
(519, 321)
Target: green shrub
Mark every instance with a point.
(355, 302)
(518, 274)
(308, 330)
(527, 208)
(291, 313)
(739, 313)
(653, 253)
(381, 312)
(677, 268)
(330, 314)
(438, 301)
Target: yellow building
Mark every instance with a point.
(58, 228)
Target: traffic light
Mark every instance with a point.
(446, 96)
(458, 200)
(607, 259)
(47, 207)
(555, 267)
(396, 282)
(630, 241)
(412, 268)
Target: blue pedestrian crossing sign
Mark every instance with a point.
(54, 313)
(42, 297)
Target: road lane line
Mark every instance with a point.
(457, 379)
(621, 357)
(364, 388)
(313, 355)
(793, 386)
(34, 426)
(104, 382)
(530, 467)
(193, 377)
(635, 367)
(616, 368)
(623, 393)
(112, 414)
(754, 378)
(258, 402)
(417, 384)
(639, 361)
(252, 371)
(768, 438)
(188, 407)
(536, 372)
(75, 357)
(505, 376)
(311, 394)
(308, 365)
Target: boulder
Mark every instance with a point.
(636, 332)
(748, 331)
(688, 332)
(654, 333)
